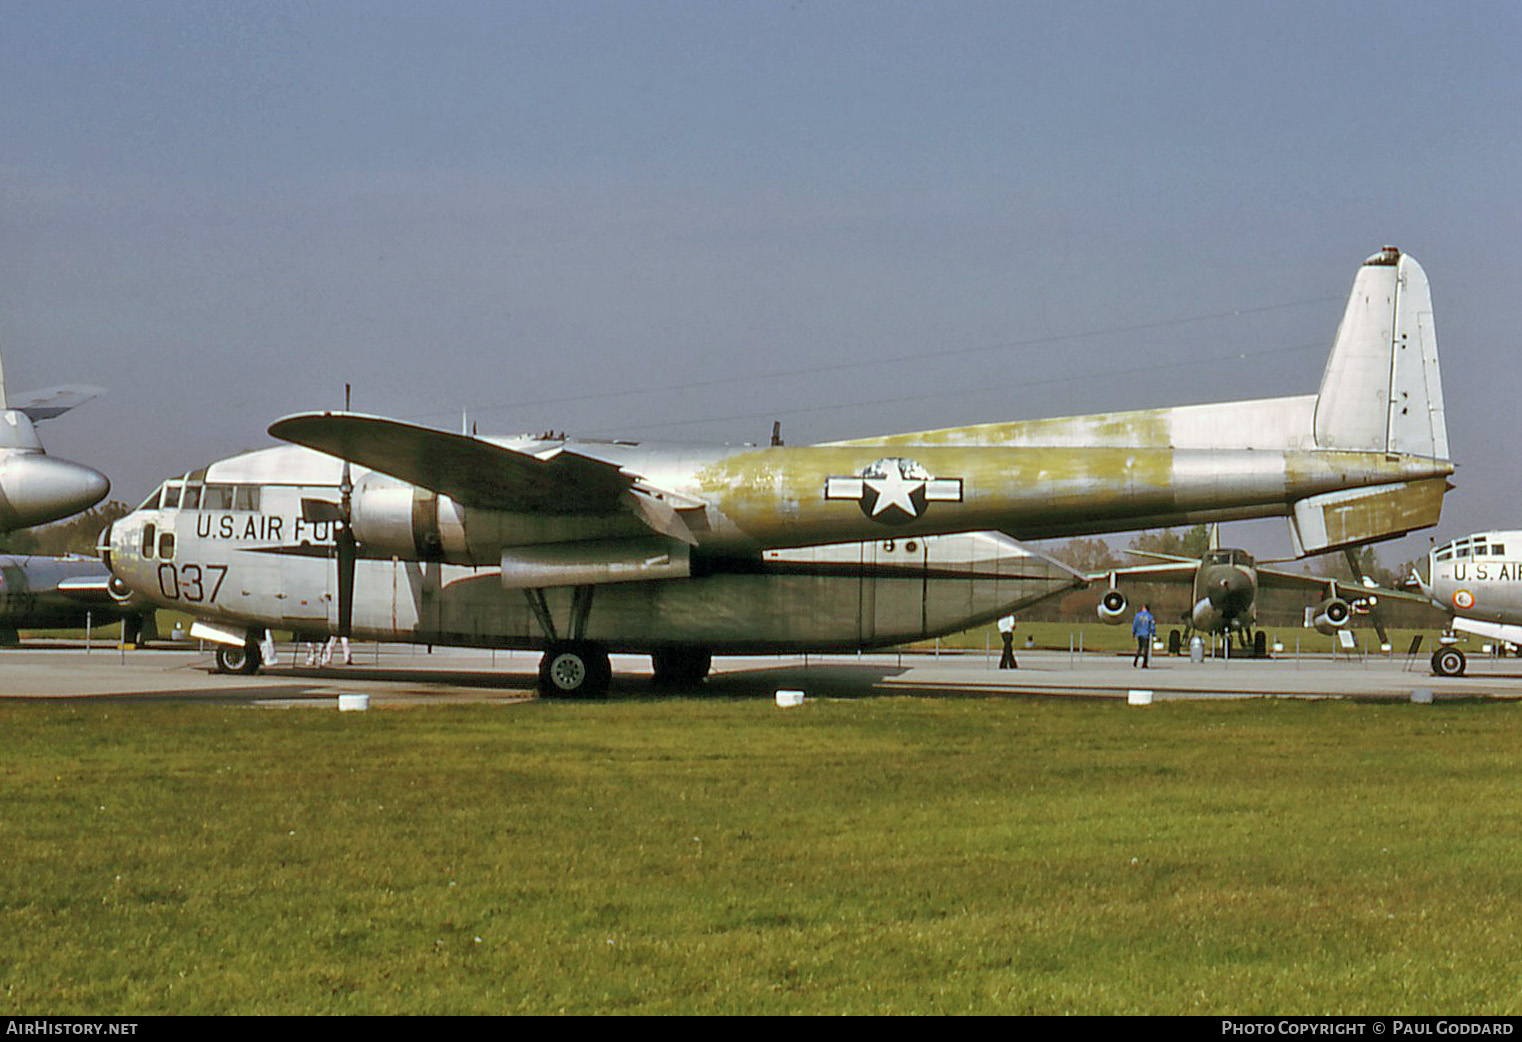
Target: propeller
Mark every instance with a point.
(1358, 577)
(345, 546)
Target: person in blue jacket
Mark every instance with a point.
(1143, 628)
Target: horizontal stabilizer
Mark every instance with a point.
(1355, 516)
(54, 401)
(469, 470)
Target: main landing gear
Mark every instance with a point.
(680, 665)
(572, 668)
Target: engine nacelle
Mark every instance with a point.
(1332, 615)
(393, 518)
(1112, 607)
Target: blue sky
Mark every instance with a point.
(680, 220)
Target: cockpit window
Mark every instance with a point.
(1497, 549)
(152, 502)
(166, 546)
(171, 495)
(148, 539)
(217, 497)
(191, 500)
(247, 497)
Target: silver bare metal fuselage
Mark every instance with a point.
(269, 567)
(778, 564)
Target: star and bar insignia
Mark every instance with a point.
(894, 491)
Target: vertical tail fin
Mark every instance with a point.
(1382, 391)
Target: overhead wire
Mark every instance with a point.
(835, 367)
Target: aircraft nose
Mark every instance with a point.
(36, 489)
(1231, 593)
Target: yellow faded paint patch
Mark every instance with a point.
(767, 491)
(1148, 427)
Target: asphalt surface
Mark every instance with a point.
(394, 675)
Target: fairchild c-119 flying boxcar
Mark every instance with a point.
(392, 531)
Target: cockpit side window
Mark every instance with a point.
(247, 497)
(152, 502)
(166, 546)
(171, 495)
(217, 497)
(191, 500)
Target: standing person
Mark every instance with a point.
(1143, 628)
(1007, 634)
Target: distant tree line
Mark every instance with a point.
(77, 535)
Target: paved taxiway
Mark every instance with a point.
(395, 675)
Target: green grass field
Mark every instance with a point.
(679, 855)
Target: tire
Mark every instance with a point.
(680, 666)
(574, 669)
(1448, 662)
(244, 661)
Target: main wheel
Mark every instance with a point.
(574, 668)
(680, 665)
(233, 659)
(1448, 662)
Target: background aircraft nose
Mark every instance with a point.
(1230, 592)
(36, 489)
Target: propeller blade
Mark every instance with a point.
(348, 553)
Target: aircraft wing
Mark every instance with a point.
(1182, 569)
(1193, 562)
(87, 589)
(1272, 578)
(468, 470)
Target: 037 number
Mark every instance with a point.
(189, 582)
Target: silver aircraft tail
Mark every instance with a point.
(1381, 391)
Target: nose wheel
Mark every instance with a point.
(1448, 662)
(244, 660)
(574, 669)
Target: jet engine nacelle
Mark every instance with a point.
(1112, 607)
(1332, 615)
